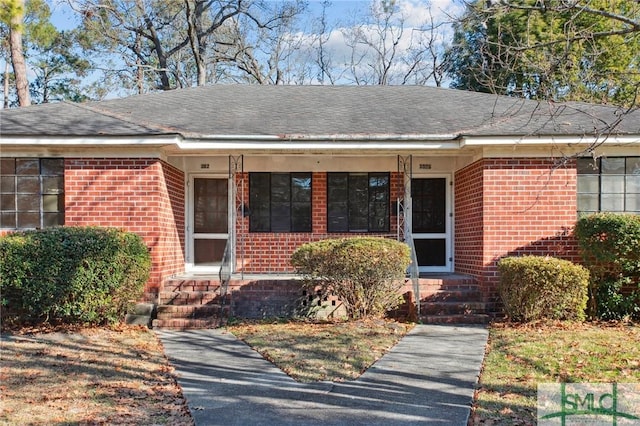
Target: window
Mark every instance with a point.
(31, 192)
(609, 185)
(358, 202)
(280, 202)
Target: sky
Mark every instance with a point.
(340, 15)
(416, 10)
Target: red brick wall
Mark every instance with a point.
(259, 252)
(527, 207)
(468, 220)
(145, 196)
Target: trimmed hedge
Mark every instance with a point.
(536, 287)
(364, 273)
(85, 275)
(609, 244)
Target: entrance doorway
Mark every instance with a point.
(208, 223)
(431, 223)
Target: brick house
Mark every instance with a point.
(248, 173)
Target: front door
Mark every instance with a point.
(431, 223)
(209, 222)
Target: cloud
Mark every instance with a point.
(417, 12)
(348, 34)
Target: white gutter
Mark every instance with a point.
(313, 146)
(300, 142)
(159, 140)
(254, 142)
(476, 141)
(328, 137)
(297, 142)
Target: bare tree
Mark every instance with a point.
(323, 59)
(424, 62)
(383, 47)
(271, 53)
(374, 47)
(153, 36)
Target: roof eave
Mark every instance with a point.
(501, 140)
(90, 140)
(316, 142)
(370, 143)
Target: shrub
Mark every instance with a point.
(365, 273)
(614, 303)
(535, 287)
(610, 248)
(71, 274)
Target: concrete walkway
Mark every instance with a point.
(428, 378)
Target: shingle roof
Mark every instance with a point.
(299, 111)
(66, 119)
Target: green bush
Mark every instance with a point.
(616, 304)
(610, 248)
(71, 274)
(364, 273)
(536, 287)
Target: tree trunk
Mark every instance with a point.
(17, 59)
(139, 69)
(6, 85)
(193, 43)
(46, 80)
(162, 58)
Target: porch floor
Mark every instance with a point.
(292, 276)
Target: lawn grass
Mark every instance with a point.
(115, 376)
(311, 352)
(519, 357)
(121, 376)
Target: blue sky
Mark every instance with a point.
(64, 18)
(61, 16)
(339, 10)
(342, 14)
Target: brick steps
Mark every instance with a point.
(451, 299)
(453, 288)
(451, 308)
(183, 317)
(195, 302)
(187, 323)
(441, 295)
(201, 297)
(456, 319)
(190, 303)
(189, 311)
(191, 284)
